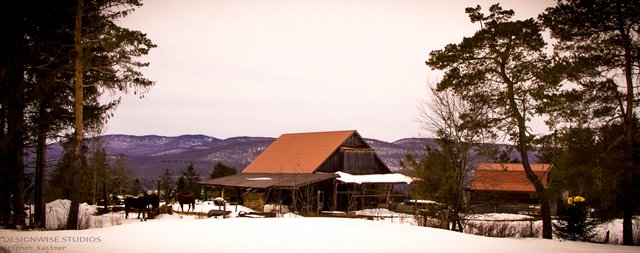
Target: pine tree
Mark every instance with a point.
(500, 73)
(46, 42)
(136, 187)
(60, 180)
(166, 186)
(98, 167)
(599, 42)
(191, 179)
(120, 179)
(181, 186)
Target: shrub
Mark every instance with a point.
(573, 221)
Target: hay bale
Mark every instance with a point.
(165, 209)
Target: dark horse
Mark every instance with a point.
(141, 203)
(186, 199)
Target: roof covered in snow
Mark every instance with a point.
(389, 178)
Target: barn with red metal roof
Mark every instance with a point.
(314, 171)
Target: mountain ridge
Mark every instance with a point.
(149, 155)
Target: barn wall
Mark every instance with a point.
(353, 161)
(331, 165)
(508, 202)
(354, 157)
(359, 161)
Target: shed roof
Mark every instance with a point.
(298, 152)
(513, 166)
(507, 177)
(268, 180)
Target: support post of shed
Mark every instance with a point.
(294, 198)
(334, 196)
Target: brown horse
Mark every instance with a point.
(186, 199)
(141, 203)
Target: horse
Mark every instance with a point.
(186, 199)
(141, 203)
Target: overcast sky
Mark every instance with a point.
(263, 68)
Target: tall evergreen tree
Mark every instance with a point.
(438, 182)
(61, 183)
(15, 51)
(589, 165)
(599, 42)
(499, 72)
(97, 167)
(77, 168)
(191, 179)
(50, 81)
(166, 186)
(136, 188)
(120, 178)
(37, 81)
(181, 185)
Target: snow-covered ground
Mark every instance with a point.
(193, 233)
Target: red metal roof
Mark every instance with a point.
(513, 166)
(298, 152)
(507, 177)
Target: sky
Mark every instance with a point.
(264, 68)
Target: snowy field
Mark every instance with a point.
(197, 233)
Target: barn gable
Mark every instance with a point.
(326, 152)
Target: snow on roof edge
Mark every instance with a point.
(373, 178)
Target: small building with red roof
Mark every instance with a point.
(505, 187)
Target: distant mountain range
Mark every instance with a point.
(148, 156)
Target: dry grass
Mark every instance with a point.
(504, 228)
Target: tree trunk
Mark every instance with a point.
(545, 207)
(5, 194)
(72, 221)
(16, 166)
(13, 198)
(105, 199)
(41, 146)
(5, 191)
(627, 223)
(94, 181)
(5, 183)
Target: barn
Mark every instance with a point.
(312, 172)
(504, 187)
